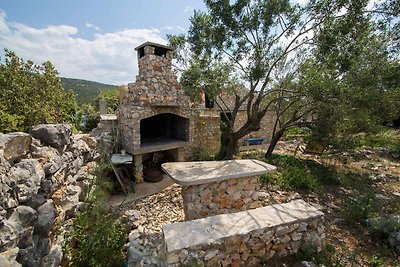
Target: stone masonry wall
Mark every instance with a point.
(228, 196)
(240, 240)
(44, 177)
(206, 134)
(267, 125)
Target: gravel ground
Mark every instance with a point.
(147, 216)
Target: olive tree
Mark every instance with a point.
(273, 49)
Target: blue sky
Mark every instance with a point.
(90, 39)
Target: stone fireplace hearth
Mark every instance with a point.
(154, 115)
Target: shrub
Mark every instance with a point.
(32, 94)
(377, 261)
(384, 226)
(255, 154)
(200, 154)
(98, 236)
(327, 175)
(98, 239)
(298, 178)
(309, 252)
(358, 209)
(271, 179)
(284, 161)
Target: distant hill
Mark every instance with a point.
(85, 91)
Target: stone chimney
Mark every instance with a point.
(154, 60)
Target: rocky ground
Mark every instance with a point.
(147, 216)
(353, 244)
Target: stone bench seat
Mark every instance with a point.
(244, 238)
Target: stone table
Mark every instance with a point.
(218, 187)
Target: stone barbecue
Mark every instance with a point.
(154, 114)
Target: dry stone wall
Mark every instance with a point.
(42, 183)
(227, 196)
(266, 127)
(206, 134)
(247, 238)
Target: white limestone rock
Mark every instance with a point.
(14, 145)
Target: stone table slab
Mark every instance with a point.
(202, 172)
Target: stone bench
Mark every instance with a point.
(245, 238)
(218, 187)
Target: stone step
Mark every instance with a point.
(245, 238)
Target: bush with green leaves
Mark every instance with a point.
(384, 226)
(284, 161)
(294, 173)
(111, 99)
(97, 240)
(98, 236)
(359, 207)
(89, 117)
(309, 252)
(200, 154)
(298, 178)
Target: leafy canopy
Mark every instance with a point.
(31, 94)
(310, 65)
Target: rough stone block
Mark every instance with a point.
(14, 145)
(55, 135)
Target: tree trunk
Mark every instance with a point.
(229, 145)
(273, 143)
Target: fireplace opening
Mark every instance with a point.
(164, 128)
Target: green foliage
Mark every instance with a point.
(298, 132)
(363, 72)
(254, 154)
(89, 113)
(284, 161)
(294, 173)
(86, 91)
(98, 237)
(329, 66)
(377, 261)
(359, 207)
(298, 178)
(384, 226)
(388, 138)
(97, 240)
(31, 94)
(200, 154)
(89, 117)
(9, 122)
(110, 97)
(309, 252)
(270, 179)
